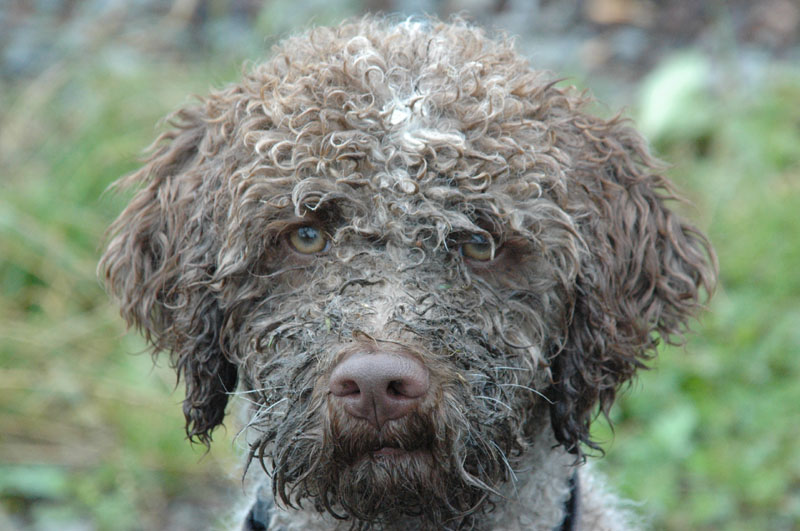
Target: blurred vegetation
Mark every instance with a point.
(709, 440)
(91, 435)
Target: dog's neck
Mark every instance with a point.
(540, 496)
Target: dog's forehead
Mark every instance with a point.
(408, 115)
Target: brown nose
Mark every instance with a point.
(379, 386)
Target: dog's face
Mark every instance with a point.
(414, 252)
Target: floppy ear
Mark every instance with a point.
(160, 259)
(642, 278)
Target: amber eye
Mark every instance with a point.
(308, 240)
(478, 247)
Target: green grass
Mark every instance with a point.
(91, 434)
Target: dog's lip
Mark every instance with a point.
(393, 451)
(397, 456)
(388, 451)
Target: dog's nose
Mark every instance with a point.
(379, 386)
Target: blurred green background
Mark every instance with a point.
(91, 434)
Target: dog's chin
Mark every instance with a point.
(391, 471)
(390, 483)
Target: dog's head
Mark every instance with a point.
(412, 184)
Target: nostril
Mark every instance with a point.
(345, 387)
(413, 384)
(406, 388)
(395, 388)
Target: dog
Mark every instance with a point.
(425, 266)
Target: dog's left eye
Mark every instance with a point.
(308, 240)
(478, 247)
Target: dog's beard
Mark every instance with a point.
(385, 488)
(419, 466)
(404, 469)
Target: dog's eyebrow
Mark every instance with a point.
(321, 196)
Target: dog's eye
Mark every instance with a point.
(308, 240)
(478, 247)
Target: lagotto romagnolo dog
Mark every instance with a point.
(424, 265)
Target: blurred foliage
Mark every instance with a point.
(710, 442)
(91, 435)
(87, 435)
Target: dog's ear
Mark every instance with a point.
(159, 260)
(642, 277)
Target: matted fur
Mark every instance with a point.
(400, 141)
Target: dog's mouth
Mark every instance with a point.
(389, 452)
(393, 453)
(399, 442)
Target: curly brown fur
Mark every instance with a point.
(400, 142)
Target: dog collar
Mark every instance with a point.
(259, 515)
(571, 507)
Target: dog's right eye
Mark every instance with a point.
(478, 247)
(308, 240)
